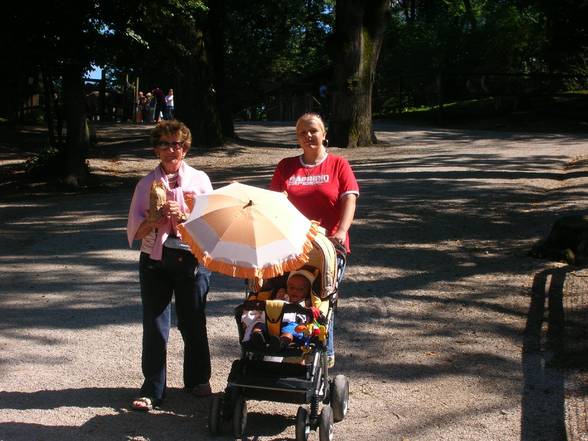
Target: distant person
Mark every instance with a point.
(322, 186)
(141, 107)
(149, 108)
(167, 268)
(169, 105)
(159, 104)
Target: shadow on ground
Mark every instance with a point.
(428, 227)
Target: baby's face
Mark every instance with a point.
(298, 288)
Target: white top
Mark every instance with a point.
(169, 100)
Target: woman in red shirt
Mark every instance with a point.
(321, 185)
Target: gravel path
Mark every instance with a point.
(430, 328)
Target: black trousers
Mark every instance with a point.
(179, 275)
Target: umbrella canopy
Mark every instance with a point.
(249, 232)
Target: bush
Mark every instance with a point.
(48, 163)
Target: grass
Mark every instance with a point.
(564, 112)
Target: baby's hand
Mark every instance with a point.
(316, 313)
(282, 295)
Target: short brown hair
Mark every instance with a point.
(171, 127)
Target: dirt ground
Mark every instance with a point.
(433, 327)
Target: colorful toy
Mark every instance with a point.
(310, 330)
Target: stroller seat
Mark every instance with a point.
(296, 374)
(322, 256)
(261, 309)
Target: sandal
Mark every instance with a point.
(144, 404)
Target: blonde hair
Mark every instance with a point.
(310, 116)
(170, 127)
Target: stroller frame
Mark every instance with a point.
(258, 376)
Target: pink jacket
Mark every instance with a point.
(190, 180)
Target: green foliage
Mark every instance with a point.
(150, 39)
(476, 37)
(512, 40)
(276, 41)
(505, 38)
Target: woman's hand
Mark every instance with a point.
(172, 209)
(339, 236)
(347, 215)
(190, 199)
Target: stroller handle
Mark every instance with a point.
(339, 248)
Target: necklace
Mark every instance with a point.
(314, 168)
(320, 157)
(172, 178)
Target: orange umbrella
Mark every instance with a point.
(248, 232)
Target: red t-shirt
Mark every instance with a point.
(316, 190)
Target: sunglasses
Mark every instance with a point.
(175, 145)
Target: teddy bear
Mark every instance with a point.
(157, 197)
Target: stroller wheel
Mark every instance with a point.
(214, 416)
(239, 417)
(302, 424)
(326, 425)
(340, 397)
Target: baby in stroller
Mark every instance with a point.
(295, 368)
(299, 291)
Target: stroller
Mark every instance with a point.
(297, 374)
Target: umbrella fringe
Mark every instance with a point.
(251, 273)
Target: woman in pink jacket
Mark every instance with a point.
(167, 267)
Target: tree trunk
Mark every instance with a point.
(198, 109)
(359, 31)
(78, 134)
(470, 15)
(49, 111)
(217, 51)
